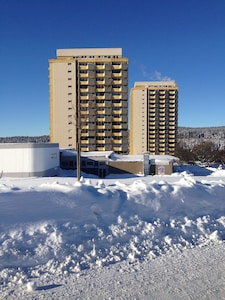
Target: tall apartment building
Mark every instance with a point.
(89, 99)
(154, 118)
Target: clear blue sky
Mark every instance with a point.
(179, 40)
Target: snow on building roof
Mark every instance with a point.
(99, 155)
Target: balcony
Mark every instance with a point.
(100, 142)
(100, 134)
(117, 142)
(87, 66)
(162, 92)
(117, 126)
(104, 89)
(104, 103)
(100, 97)
(117, 97)
(84, 113)
(116, 66)
(117, 134)
(105, 111)
(117, 81)
(100, 119)
(117, 90)
(100, 74)
(87, 118)
(87, 97)
(117, 112)
(117, 149)
(118, 104)
(87, 141)
(89, 126)
(117, 119)
(103, 66)
(100, 90)
(87, 74)
(83, 67)
(88, 89)
(100, 148)
(120, 74)
(106, 126)
(86, 148)
(87, 133)
(87, 81)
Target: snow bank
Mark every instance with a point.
(62, 227)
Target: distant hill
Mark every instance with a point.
(189, 136)
(25, 139)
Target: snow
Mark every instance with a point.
(129, 237)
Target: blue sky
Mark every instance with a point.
(179, 40)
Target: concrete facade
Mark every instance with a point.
(89, 97)
(154, 118)
(26, 160)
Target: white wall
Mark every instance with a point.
(28, 159)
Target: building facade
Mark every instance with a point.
(89, 99)
(29, 159)
(154, 118)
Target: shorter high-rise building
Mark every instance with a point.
(153, 117)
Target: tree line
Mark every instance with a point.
(204, 153)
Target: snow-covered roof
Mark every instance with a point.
(120, 157)
(104, 154)
(152, 158)
(162, 158)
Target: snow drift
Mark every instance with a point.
(57, 226)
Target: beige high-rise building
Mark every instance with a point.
(154, 118)
(89, 99)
